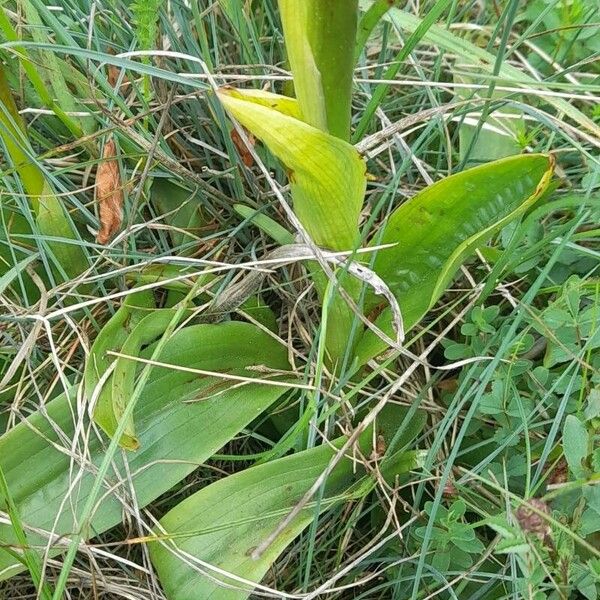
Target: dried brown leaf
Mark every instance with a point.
(241, 146)
(113, 73)
(109, 194)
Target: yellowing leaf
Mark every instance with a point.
(327, 175)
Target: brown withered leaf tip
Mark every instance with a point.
(531, 521)
(241, 147)
(109, 194)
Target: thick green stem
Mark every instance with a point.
(320, 37)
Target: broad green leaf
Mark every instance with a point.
(328, 182)
(223, 523)
(575, 445)
(436, 230)
(283, 104)
(175, 435)
(181, 210)
(440, 37)
(319, 38)
(327, 175)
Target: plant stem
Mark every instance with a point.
(320, 37)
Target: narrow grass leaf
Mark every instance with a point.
(29, 557)
(438, 36)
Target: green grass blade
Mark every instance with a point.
(29, 557)
(441, 38)
(368, 22)
(381, 90)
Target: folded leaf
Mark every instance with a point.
(223, 523)
(39, 474)
(318, 36)
(436, 230)
(327, 175)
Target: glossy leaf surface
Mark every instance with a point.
(436, 230)
(223, 523)
(327, 175)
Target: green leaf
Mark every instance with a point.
(51, 69)
(28, 557)
(319, 37)
(223, 523)
(181, 210)
(53, 223)
(273, 229)
(31, 69)
(37, 460)
(497, 136)
(327, 175)
(111, 338)
(592, 410)
(368, 22)
(575, 445)
(116, 393)
(408, 45)
(436, 230)
(516, 545)
(13, 134)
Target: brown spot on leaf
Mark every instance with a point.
(109, 194)
(241, 146)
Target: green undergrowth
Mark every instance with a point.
(155, 433)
